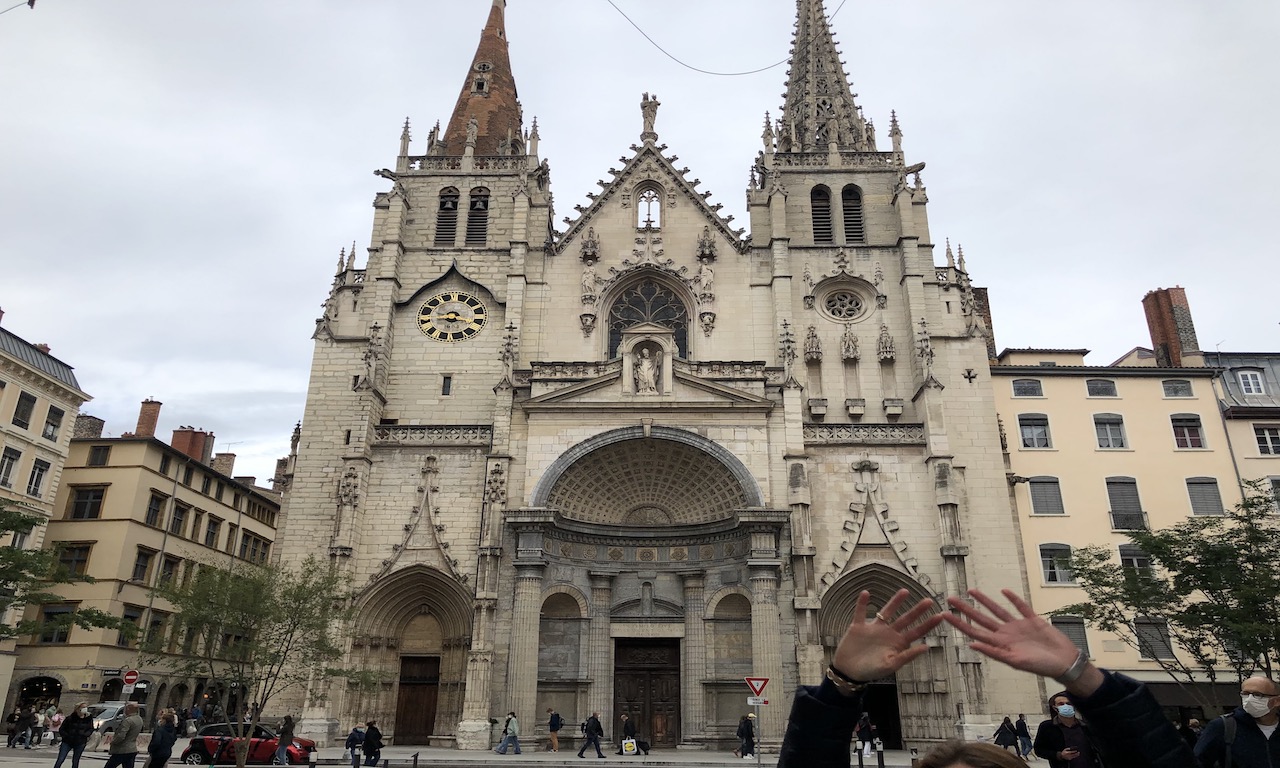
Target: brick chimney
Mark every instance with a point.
(1173, 334)
(224, 463)
(148, 417)
(195, 443)
(42, 347)
(88, 427)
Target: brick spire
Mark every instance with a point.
(488, 96)
(819, 107)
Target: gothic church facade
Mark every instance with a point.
(620, 467)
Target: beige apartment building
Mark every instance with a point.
(131, 513)
(1098, 450)
(39, 401)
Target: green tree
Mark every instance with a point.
(255, 632)
(32, 576)
(1214, 582)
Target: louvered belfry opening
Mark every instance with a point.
(820, 201)
(478, 217)
(851, 204)
(447, 217)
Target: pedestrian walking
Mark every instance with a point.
(355, 743)
(1024, 736)
(373, 743)
(747, 735)
(55, 727)
(592, 730)
(554, 723)
(1006, 735)
(76, 730)
(510, 735)
(124, 743)
(163, 738)
(284, 736)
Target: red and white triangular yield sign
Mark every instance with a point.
(756, 684)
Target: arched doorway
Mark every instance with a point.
(39, 690)
(111, 689)
(912, 695)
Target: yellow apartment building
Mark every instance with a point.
(131, 513)
(39, 401)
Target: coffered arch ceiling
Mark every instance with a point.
(650, 482)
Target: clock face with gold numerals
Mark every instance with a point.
(452, 316)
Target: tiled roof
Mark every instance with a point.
(19, 348)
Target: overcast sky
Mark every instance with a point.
(177, 178)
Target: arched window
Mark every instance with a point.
(648, 208)
(478, 217)
(447, 217)
(820, 202)
(648, 301)
(851, 206)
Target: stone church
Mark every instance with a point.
(619, 467)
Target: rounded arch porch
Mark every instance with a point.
(412, 632)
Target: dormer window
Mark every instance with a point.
(481, 85)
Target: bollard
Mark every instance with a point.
(415, 760)
(879, 746)
(915, 758)
(312, 757)
(859, 751)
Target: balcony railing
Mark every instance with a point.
(1128, 521)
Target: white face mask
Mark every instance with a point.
(1255, 707)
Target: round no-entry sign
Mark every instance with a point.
(131, 677)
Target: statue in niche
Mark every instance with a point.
(705, 278)
(589, 279)
(648, 371)
(473, 129)
(649, 110)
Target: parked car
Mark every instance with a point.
(214, 742)
(108, 714)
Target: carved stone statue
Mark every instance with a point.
(705, 279)
(589, 279)
(473, 130)
(648, 370)
(649, 109)
(849, 345)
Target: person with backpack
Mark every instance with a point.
(355, 743)
(592, 730)
(510, 735)
(1248, 736)
(554, 723)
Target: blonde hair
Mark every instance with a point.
(972, 755)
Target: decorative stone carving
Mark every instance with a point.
(589, 282)
(885, 345)
(649, 111)
(495, 488)
(708, 320)
(704, 281)
(924, 347)
(349, 488)
(510, 348)
(479, 435)
(706, 245)
(812, 346)
(588, 320)
(787, 347)
(590, 246)
(865, 434)
(849, 345)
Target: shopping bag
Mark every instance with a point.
(628, 746)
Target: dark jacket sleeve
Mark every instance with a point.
(1049, 742)
(819, 728)
(1129, 729)
(1211, 748)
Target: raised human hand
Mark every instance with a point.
(1026, 642)
(873, 649)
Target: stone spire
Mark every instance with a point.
(488, 96)
(819, 109)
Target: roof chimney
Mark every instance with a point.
(42, 347)
(148, 417)
(1173, 334)
(224, 463)
(88, 427)
(195, 443)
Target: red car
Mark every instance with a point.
(215, 744)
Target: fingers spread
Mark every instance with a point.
(972, 630)
(860, 608)
(991, 605)
(895, 604)
(1021, 605)
(973, 614)
(925, 627)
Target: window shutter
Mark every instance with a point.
(1046, 496)
(1072, 627)
(1205, 498)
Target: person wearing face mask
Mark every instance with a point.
(1254, 743)
(1063, 739)
(76, 730)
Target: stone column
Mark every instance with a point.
(600, 647)
(766, 642)
(522, 663)
(693, 660)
